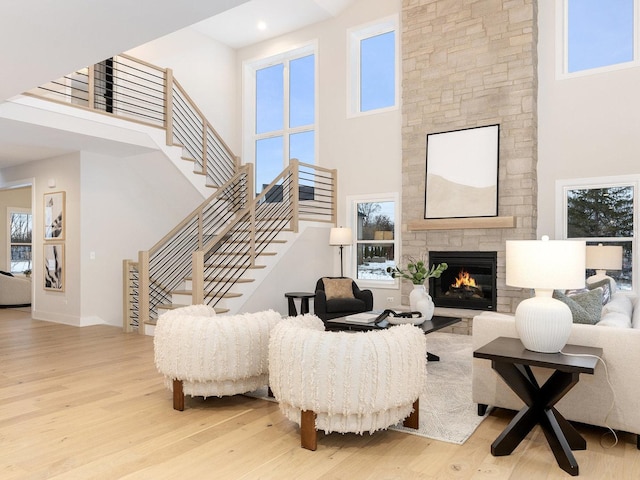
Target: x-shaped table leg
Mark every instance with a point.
(560, 434)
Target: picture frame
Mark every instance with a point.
(54, 215)
(54, 267)
(462, 173)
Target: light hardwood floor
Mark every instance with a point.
(87, 403)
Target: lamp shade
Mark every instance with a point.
(545, 264)
(542, 322)
(601, 257)
(340, 236)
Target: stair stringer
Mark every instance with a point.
(86, 123)
(305, 257)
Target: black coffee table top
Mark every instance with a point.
(437, 322)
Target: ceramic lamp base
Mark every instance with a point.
(543, 324)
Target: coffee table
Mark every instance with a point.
(437, 322)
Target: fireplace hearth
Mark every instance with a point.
(469, 282)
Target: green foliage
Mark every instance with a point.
(600, 212)
(417, 271)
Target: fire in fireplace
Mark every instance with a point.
(469, 282)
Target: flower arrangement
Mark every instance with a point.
(417, 271)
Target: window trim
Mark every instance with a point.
(351, 267)
(11, 210)
(562, 186)
(249, 69)
(562, 45)
(354, 36)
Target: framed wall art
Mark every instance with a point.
(462, 173)
(54, 216)
(54, 267)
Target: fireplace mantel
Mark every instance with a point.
(461, 223)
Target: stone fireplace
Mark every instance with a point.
(470, 64)
(469, 282)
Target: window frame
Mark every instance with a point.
(562, 45)
(563, 186)
(352, 215)
(250, 137)
(18, 210)
(355, 35)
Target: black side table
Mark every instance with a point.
(513, 363)
(304, 302)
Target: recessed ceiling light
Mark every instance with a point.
(262, 25)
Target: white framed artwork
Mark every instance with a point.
(462, 173)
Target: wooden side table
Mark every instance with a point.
(513, 363)
(304, 302)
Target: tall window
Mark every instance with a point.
(373, 67)
(604, 213)
(284, 94)
(20, 227)
(375, 227)
(599, 34)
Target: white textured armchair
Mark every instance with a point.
(343, 381)
(204, 354)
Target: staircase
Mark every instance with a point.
(214, 254)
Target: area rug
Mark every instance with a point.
(446, 410)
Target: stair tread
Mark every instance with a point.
(189, 292)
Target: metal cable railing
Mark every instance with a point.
(138, 91)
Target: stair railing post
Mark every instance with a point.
(294, 194)
(334, 196)
(168, 105)
(197, 278)
(143, 290)
(91, 87)
(252, 233)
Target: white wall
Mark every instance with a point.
(61, 307)
(588, 126)
(206, 70)
(114, 207)
(126, 207)
(366, 150)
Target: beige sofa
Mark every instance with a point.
(14, 291)
(592, 398)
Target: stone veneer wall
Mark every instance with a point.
(467, 64)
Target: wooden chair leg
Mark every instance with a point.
(178, 395)
(308, 433)
(413, 420)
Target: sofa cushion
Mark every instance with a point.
(635, 318)
(605, 284)
(619, 303)
(338, 288)
(585, 307)
(615, 319)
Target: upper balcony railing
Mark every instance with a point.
(132, 89)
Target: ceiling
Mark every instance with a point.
(42, 40)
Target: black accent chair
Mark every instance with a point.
(339, 307)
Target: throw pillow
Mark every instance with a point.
(605, 284)
(585, 307)
(338, 288)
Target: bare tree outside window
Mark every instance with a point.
(21, 229)
(375, 240)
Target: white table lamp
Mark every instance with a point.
(602, 258)
(340, 236)
(544, 323)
